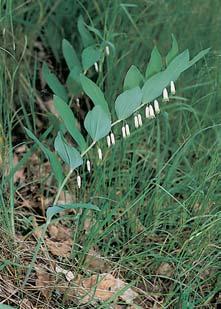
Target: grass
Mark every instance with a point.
(159, 191)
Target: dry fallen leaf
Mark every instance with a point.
(68, 274)
(59, 248)
(60, 243)
(104, 286)
(165, 269)
(95, 262)
(44, 282)
(59, 232)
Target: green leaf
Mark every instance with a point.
(154, 86)
(198, 56)
(173, 52)
(2, 306)
(97, 123)
(53, 210)
(68, 153)
(70, 55)
(70, 121)
(133, 78)
(94, 93)
(55, 163)
(90, 55)
(155, 65)
(54, 83)
(73, 81)
(178, 65)
(127, 102)
(86, 37)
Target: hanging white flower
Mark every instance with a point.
(152, 115)
(123, 129)
(136, 122)
(127, 130)
(79, 181)
(165, 95)
(112, 137)
(100, 155)
(107, 50)
(172, 88)
(89, 166)
(108, 141)
(147, 112)
(140, 122)
(96, 67)
(156, 107)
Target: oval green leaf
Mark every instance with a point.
(94, 93)
(68, 153)
(70, 121)
(97, 123)
(70, 55)
(53, 210)
(127, 102)
(90, 55)
(54, 84)
(133, 78)
(155, 64)
(173, 52)
(55, 163)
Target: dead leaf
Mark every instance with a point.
(60, 242)
(104, 286)
(44, 282)
(59, 248)
(68, 274)
(59, 232)
(165, 269)
(95, 262)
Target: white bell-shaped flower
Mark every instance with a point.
(172, 88)
(79, 181)
(152, 115)
(123, 129)
(165, 95)
(136, 122)
(127, 130)
(112, 137)
(100, 154)
(156, 107)
(88, 165)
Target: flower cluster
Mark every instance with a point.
(150, 112)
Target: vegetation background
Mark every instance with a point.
(159, 227)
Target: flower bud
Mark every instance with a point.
(89, 166)
(107, 50)
(96, 67)
(165, 95)
(156, 107)
(79, 181)
(100, 155)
